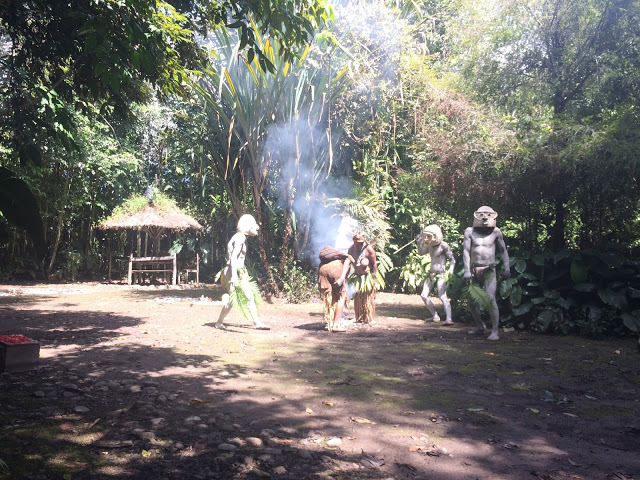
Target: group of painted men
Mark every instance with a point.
(481, 242)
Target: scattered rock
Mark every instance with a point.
(255, 442)
(228, 447)
(334, 442)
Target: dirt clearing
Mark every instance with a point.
(134, 382)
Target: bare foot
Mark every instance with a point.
(448, 322)
(476, 331)
(493, 336)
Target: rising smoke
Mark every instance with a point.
(298, 147)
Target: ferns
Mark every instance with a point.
(246, 290)
(474, 292)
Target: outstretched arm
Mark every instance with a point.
(345, 270)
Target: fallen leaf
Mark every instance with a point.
(319, 372)
(415, 448)
(360, 420)
(327, 403)
(534, 410)
(489, 353)
(308, 410)
(146, 453)
(408, 412)
(475, 409)
(617, 352)
(196, 402)
(569, 414)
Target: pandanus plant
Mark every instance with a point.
(270, 132)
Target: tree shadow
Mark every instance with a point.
(409, 389)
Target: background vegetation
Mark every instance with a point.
(398, 113)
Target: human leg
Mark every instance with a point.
(426, 289)
(441, 285)
(338, 324)
(226, 308)
(490, 285)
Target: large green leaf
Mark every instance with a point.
(506, 286)
(19, 206)
(520, 266)
(585, 287)
(632, 320)
(545, 318)
(538, 260)
(578, 271)
(614, 299)
(522, 309)
(516, 296)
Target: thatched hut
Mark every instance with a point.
(151, 217)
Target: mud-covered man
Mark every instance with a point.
(431, 241)
(235, 275)
(479, 256)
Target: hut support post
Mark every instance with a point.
(175, 268)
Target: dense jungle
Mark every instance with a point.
(398, 114)
(395, 114)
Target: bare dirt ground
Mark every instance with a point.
(134, 382)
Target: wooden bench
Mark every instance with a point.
(141, 265)
(184, 273)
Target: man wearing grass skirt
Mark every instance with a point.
(362, 258)
(242, 290)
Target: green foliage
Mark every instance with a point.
(246, 290)
(592, 293)
(136, 203)
(19, 206)
(475, 292)
(413, 272)
(298, 284)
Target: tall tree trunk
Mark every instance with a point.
(58, 231)
(271, 284)
(557, 233)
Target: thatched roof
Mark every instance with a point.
(151, 218)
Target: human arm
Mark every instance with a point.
(235, 252)
(449, 254)
(346, 266)
(373, 260)
(466, 253)
(422, 248)
(506, 273)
